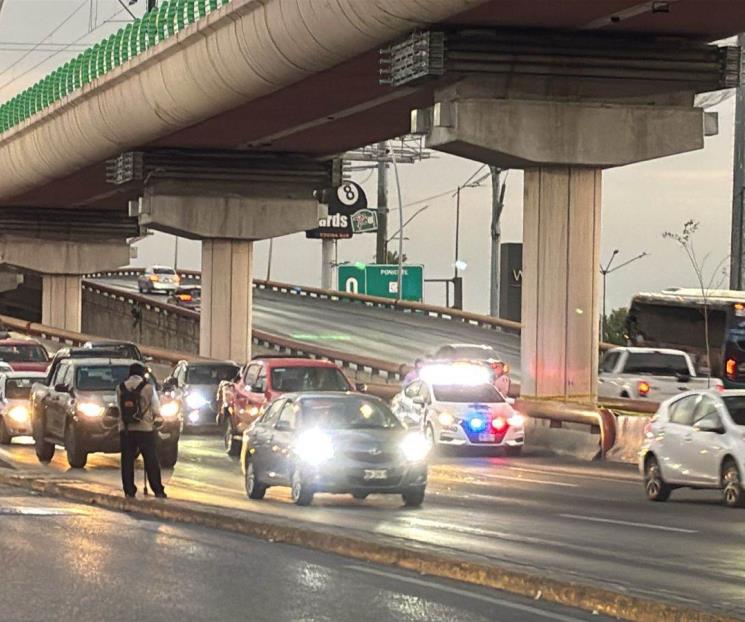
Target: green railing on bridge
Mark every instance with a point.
(170, 17)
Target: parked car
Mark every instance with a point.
(79, 410)
(15, 412)
(193, 386)
(187, 297)
(266, 378)
(24, 354)
(696, 440)
(333, 442)
(649, 373)
(158, 279)
(456, 404)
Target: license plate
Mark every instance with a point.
(487, 438)
(375, 474)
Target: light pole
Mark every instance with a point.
(605, 271)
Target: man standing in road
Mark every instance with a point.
(140, 418)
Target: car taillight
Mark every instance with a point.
(154, 277)
(185, 297)
(730, 369)
(642, 388)
(648, 430)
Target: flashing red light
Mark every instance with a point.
(185, 297)
(643, 388)
(730, 369)
(498, 423)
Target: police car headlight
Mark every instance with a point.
(314, 447)
(19, 414)
(89, 409)
(516, 420)
(446, 419)
(169, 409)
(415, 447)
(195, 401)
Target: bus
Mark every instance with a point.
(674, 318)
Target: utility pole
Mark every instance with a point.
(737, 244)
(498, 187)
(152, 4)
(381, 246)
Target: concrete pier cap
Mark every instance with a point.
(563, 133)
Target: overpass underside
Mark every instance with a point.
(238, 131)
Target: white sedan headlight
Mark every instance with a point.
(89, 409)
(446, 419)
(415, 447)
(169, 410)
(19, 414)
(195, 401)
(314, 447)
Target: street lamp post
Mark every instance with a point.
(605, 271)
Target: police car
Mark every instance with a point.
(457, 404)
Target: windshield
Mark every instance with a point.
(122, 350)
(293, 379)
(346, 413)
(656, 363)
(100, 378)
(736, 407)
(31, 353)
(170, 271)
(467, 393)
(210, 374)
(473, 353)
(18, 388)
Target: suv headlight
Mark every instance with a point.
(19, 414)
(90, 409)
(314, 447)
(195, 401)
(415, 447)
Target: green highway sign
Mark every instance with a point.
(382, 280)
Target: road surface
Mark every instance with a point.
(560, 518)
(66, 561)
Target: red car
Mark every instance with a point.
(24, 354)
(266, 378)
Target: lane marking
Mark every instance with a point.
(441, 587)
(473, 480)
(559, 471)
(596, 519)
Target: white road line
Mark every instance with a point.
(441, 587)
(595, 519)
(559, 472)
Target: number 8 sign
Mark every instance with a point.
(348, 199)
(348, 194)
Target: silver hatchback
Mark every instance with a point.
(696, 440)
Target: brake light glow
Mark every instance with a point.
(154, 277)
(498, 423)
(643, 388)
(739, 309)
(730, 369)
(185, 297)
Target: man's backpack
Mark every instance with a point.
(129, 403)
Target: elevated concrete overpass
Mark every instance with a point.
(239, 105)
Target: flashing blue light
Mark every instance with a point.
(477, 424)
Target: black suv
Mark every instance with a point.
(78, 409)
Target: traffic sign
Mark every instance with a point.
(382, 280)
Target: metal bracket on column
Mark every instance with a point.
(680, 63)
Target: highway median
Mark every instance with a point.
(380, 549)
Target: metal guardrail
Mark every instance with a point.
(164, 22)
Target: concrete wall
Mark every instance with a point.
(113, 317)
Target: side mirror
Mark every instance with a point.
(360, 387)
(61, 388)
(683, 377)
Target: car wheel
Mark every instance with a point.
(254, 488)
(360, 496)
(732, 493)
(232, 446)
(168, 456)
(44, 450)
(414, 497)
(654, 485)
(513, 452)
(5, 436)
(76, 457)
(302, 492)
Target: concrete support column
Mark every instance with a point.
(227, 276)
(561, 241)
(62, 302)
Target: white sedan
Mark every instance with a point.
(461, 410)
